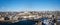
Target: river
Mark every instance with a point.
(25, 22)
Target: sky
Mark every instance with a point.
(29, 5)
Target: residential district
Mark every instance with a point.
(13, 17)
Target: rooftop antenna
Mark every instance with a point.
(26, 10)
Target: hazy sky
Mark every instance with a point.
(29, 5)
